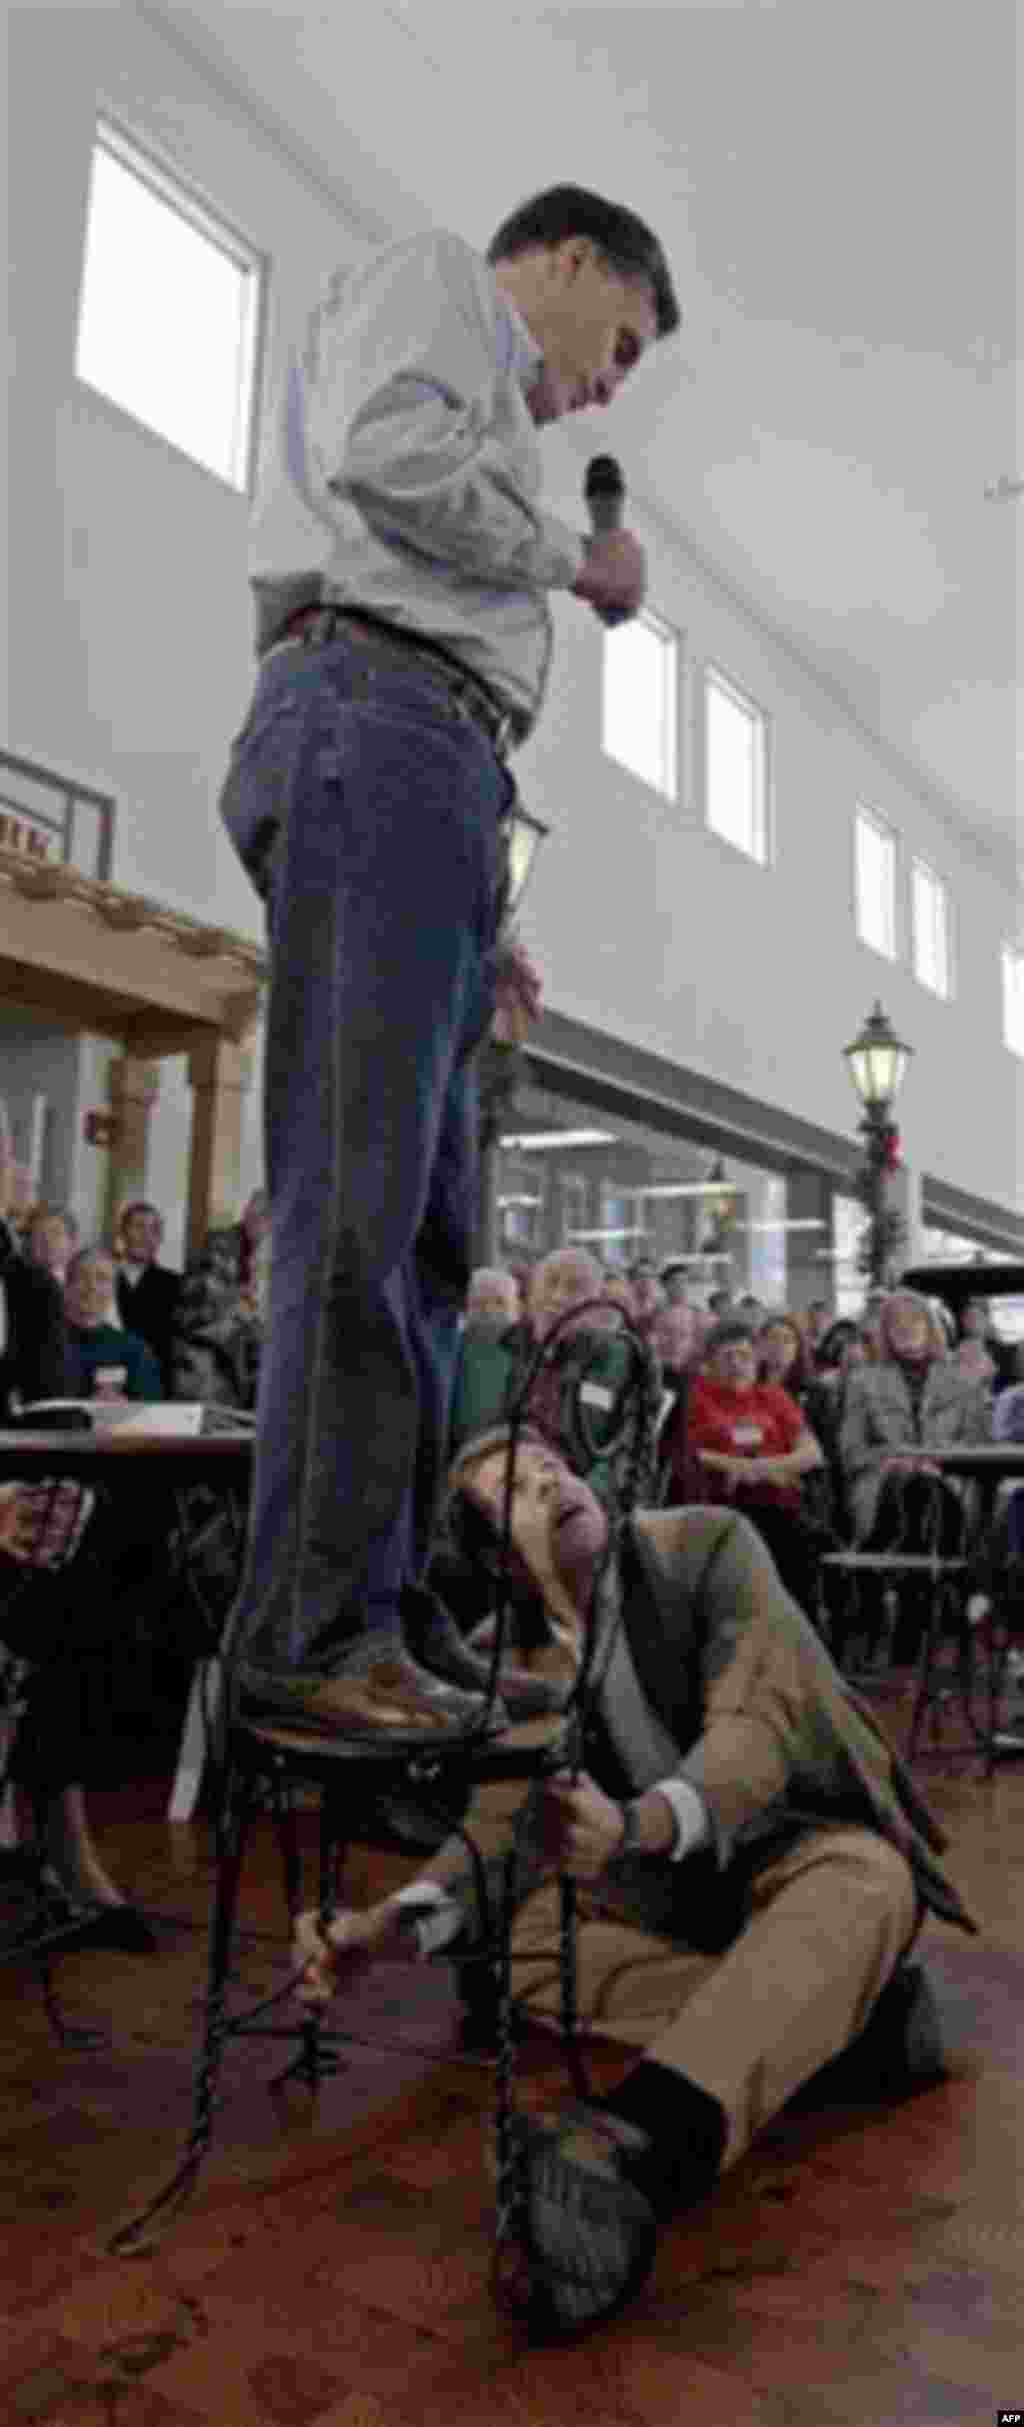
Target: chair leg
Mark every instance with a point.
(233, 1816)
(286, 1830)
(317, 2058)
(926, 1697)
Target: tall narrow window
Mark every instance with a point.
(638, 723)
(875, 883)
(169, 314)
(1013, 997)
(930, 909)
(735, 766)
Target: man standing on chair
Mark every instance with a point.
(402, 567)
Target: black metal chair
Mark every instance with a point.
(265, 1767)
(944, 1576)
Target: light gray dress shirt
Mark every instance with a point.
(402, 471)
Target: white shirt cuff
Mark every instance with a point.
(693, 1828)
(434, 1917)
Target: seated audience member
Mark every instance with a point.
(147, 1291)
(974, 1351)
(40, 1529)
(493, 1352)
(748, 1443)
(580, 1387)
(782, 1355)
(50, 1241)
(63, 1738)
(675, 1341)
(675, 1282)
(617, 1290)
(32, 1330)
(999, 1570)
(840, 1352)
(816, 1320)
(913, 1400)
(492, 1299)
(219, 1325)
(648, 1295)
(720, 1303)
(103, 1360)
(585, 1360)
(522, 1275)
(751, 1863)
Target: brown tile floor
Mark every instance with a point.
(331, 2270)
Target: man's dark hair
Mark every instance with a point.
(140, 1205)
(624, 242)
(835, 1339)
(733, 1327)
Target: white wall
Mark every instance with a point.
(129, 661)
(755, 975)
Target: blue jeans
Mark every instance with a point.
(366, 807)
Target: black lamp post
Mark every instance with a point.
(877, 1063)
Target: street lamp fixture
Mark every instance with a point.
(524, 835)
(877, 1063)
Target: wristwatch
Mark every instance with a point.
(630, 1839)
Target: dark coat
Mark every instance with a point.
(718, 1679)
(878, 1418)
(149, 1309)
(33, 1362)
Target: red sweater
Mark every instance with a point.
(761, 1421)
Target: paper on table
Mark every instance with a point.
(179, 1419)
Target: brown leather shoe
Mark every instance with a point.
(378, 1695)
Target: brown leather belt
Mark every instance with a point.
(314, 627)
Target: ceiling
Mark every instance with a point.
(835, 186)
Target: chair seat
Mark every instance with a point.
(518, 1752)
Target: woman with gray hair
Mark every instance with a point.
(915, 1399)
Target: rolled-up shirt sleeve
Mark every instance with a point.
(408, 422)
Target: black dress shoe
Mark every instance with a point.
(585, 2238)
(435, 1639)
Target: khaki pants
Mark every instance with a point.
(829, 1922)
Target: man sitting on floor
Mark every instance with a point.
(752, 1866)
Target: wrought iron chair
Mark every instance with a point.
(263, 1768)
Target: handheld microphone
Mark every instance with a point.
(604, 491)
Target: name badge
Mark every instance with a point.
(747, 1436)
(594, 1394)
